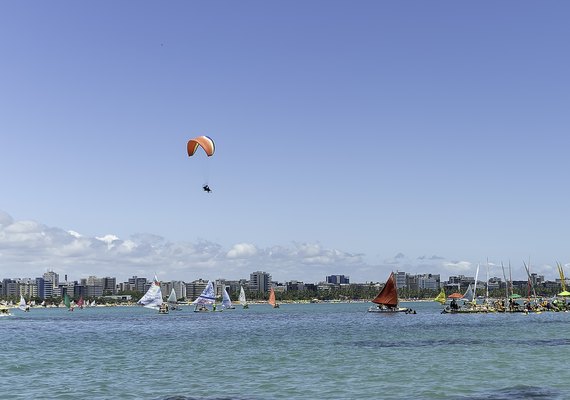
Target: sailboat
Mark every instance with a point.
(80, 302)
(387, 299)
(23, 306)
(271, 300)
(226, 301)
(469, 295)
(153, 297)
(206, 298)
(440, 298)
(242, 299)
(172, 300)
(67, 302)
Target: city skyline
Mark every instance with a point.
(328, 279)
(358, 138)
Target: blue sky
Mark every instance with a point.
(352, 138)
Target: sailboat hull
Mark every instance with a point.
(381, 310)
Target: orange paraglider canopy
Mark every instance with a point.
(201, 141)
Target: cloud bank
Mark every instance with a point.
(29, 248)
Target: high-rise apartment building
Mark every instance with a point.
(259, 281)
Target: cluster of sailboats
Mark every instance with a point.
(468, 302)
(205, 302)
(387, 301)
(66, 302)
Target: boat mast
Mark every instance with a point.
(530, 283)
(475, 288)
(506, 282)
(487, 294)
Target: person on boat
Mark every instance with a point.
(207, 188)
(454, 305)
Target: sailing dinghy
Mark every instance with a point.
(241, 298)
(206, 298)
(271, 300)
(153, 297)
(173, 301)
(226, 301)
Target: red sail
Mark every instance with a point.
(272, 297)
(388, 296)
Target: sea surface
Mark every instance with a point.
(298, 351)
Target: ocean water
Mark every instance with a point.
(299, 351)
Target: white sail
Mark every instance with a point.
(22, 305)
(172, 298)
(242, 299)
(207, 296)
(226, 301)
(153, 297)
(469, 296)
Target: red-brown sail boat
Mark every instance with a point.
(387, 299)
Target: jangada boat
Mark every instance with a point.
(387, 300)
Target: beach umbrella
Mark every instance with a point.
(564, 293)
(515, 296)
(455, 296)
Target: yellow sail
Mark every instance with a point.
(440, 298)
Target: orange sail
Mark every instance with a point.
(272, 298)
(388, 296)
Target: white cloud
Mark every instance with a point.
(28, 248)
(458, 267)
(242, 250)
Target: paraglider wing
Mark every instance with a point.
(204, 142)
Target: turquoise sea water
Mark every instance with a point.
(299, 351)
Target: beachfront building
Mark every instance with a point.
(259, 281)
(193, 289)
(338, 279)
(428, 281)
(137, 284)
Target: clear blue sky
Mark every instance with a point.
(352, 138)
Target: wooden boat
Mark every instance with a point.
(387, 300)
